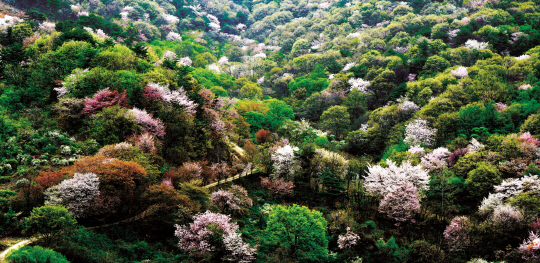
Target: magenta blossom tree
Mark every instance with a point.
(104, 99)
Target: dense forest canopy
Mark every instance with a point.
(270, 131)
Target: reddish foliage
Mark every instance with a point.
(104, 99)
(535, 226)
(150, 94)
(121, 177)
(167, 197)
(117, 178)
(27, 198)
(277, 186)
(48, 178)
(263, 136)
(104, 206)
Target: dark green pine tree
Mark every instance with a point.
(333, 187)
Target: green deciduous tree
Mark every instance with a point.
(336, 119)
(482, 179)
(50, 222)
(301, 230)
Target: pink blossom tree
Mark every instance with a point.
(277, 186)
(457, 233)
(147, 123)
(235, 200)
(154, 91)
(401, 204)
(436, 160)
(197, 238)
(220, 170)
(530, 249)
(454, 157)
(104, 99)
(348, 240)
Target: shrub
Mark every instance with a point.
(36, 254)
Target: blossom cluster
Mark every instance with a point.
(418, 132)
(283, 161)
(530, 248)
(359, 84)
(401, 203)
(148, 123)
(381, 180)
(348, 240)
(277, 186)
(195, 238)
(75, 194)
(179, 97)
(457, 233)
(436, 160)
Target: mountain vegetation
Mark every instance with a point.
(270, 131)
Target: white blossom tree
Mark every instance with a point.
(76, 194)
(381, 180)
(418, 132)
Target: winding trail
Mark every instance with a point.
(17, 246)
(142, 215)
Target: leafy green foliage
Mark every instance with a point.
(301, 230)
(36, 254)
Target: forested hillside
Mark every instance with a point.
(361, 131)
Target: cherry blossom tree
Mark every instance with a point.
(401, 203)
(507, 216)
(418, 132)
(172, 36)
(277, 186)
(76, 194)
(349, 240)
(163, 93)
(359, 84)
(196, 238)
(104, 99)
(460, 72)
(284, 161)
(235, 200)
(148, 123)
(382, 180)
(457, 233)
(436, 160)
(530, 248)
(475, 44)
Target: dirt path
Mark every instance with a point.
(17, 246)
(230, 179)
(4, 6)
(131, 219)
